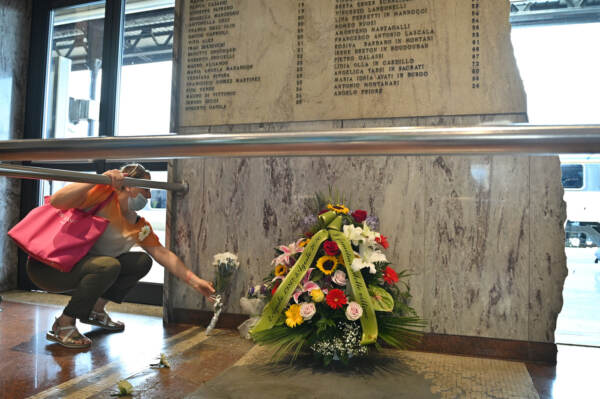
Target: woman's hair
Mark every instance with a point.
(135, 170)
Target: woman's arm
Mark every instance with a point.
(73, 195)
(70, 196)
(175, 266)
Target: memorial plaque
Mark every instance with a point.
(248, 61)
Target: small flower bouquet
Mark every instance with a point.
(163, 362)
(226, 265)
(124, 388)
(252, 305)
(333, 291)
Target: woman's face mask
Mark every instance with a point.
(137, 203)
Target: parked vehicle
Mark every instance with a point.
(581, 182)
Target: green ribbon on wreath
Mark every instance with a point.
(275, 307)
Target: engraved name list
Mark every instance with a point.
(249, 61)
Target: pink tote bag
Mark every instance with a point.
(59, 238)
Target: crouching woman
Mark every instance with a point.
(109, 270)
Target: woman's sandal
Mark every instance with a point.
(67, 341)
(102, 319)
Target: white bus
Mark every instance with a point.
(581, 182)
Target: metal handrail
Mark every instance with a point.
(30, 172)
(525, 139)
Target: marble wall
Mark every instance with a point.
(15, 23)
(482, 234)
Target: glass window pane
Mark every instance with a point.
(74, 79)
(49, 187)
(559, 66)
(572, 176)
(145, 93)
(155, 213)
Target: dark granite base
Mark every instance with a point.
(389, 378)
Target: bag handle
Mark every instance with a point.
(102, 204)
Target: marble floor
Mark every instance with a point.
(30, 366)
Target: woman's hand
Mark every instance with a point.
(200, 285)
(170, 261)
(116, 177)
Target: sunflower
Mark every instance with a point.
(338, 208)
(304, 242)
(281, 270)
(327, 264)
(293, 316)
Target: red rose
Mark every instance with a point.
(390, 276)
(382, 240)
(331, 248)
(335, 298)
(359, 215)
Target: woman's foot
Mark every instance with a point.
(102, 319)
(66, 334)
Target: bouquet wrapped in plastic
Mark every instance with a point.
(252, 305)
(226, 264)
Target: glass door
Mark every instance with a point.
(98, 65)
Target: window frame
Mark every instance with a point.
(37, 76)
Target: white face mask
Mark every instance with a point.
(138, 203)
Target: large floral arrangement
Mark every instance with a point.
(333, 292)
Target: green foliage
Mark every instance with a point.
(334, 197)
(284, 340)
(401, 293)
(382, 300)
(401, 332)
(376, 278)
(323, 324)
(316, 275)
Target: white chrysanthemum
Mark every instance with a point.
(225, 257)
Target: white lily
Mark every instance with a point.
(367, 258)
(354, 234)
(369, 234)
